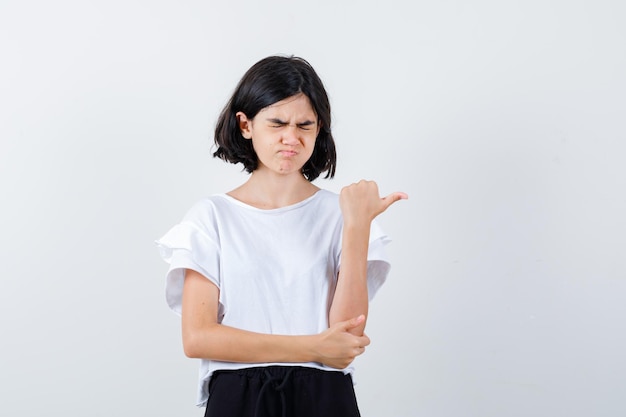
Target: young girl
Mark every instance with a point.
(273, 278)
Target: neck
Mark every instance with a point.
(267, 191)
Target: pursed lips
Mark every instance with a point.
(288, 152)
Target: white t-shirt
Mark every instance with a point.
(276, 269)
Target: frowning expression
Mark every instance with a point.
(283, 134)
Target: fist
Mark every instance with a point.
(361, 202)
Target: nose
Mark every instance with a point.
(290, 135)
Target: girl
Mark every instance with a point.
(273, 278)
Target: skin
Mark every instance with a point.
(283, 136)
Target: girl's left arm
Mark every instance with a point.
(360, 203)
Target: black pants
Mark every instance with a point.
(281, 391)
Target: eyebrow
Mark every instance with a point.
(282, 122)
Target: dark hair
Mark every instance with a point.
(270, 80)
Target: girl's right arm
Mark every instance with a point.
(204, 337)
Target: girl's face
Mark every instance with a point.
(283, 134)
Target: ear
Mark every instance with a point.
(245, 125)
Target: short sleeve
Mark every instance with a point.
(378, 265)
(186, 246)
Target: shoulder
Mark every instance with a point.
(326, 197)
(325, 206)
(322, 202)
(207, 210)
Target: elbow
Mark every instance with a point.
(195, 346)
(190, 348)
(190, 352)
(201, 342)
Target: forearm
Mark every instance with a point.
(224, 343)
(351, 297)
(205, 338)
(335, 347)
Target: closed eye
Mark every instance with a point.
(308, 125)
(277, 123)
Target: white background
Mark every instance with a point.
(504, 121)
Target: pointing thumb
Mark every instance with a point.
(393, 197)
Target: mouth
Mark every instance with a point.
(288, 153)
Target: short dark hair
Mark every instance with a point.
(270, 80)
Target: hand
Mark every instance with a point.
(360, 202)
(337, 347)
